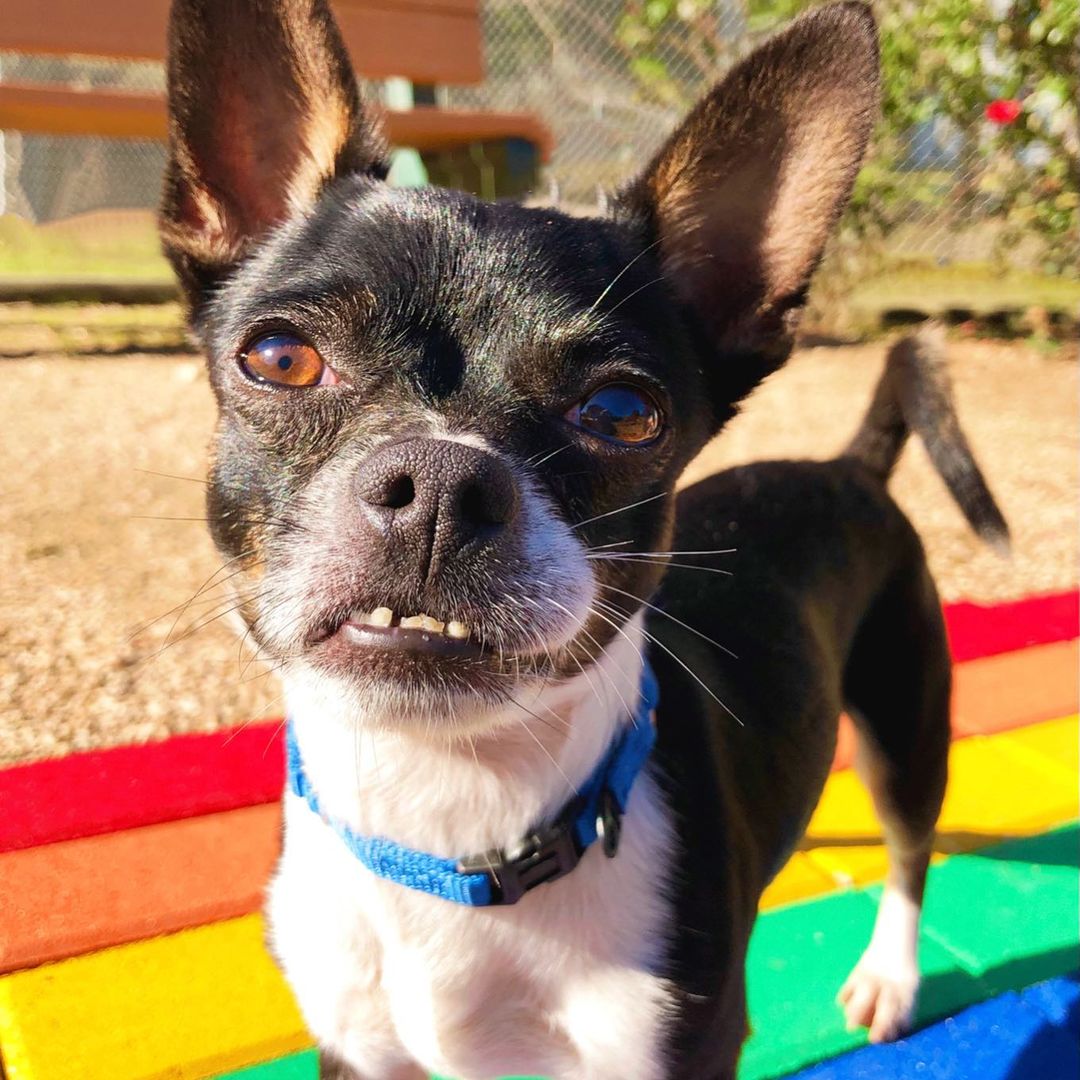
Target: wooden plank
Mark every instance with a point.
(988, 629)
(427, 128)
(210, 1000)
(460, 7)
(1035, 1033)
(999, 786)
(436, 41)
(434, 47)
(129, 786)
(994, 693)
(1001, 692)
(300, 1066)
(66, 899)
(1014, 908)
(132, 29)
(189, 1005)
(71, 898)
(127, 115)
(52, 111)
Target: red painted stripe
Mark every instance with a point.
(977, 630)
(105, 791)
(88, 794)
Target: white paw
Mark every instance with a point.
(880, 997)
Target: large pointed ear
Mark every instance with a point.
(743, 196)
(263, 111)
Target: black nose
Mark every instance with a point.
(437, 495)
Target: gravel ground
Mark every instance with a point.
(99, 550)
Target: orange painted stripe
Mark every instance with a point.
(1012, 690)
(70, 898)
(998, 693)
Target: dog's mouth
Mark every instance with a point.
(411, 664)
(383, 628)
(425, 655)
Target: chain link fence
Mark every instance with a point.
(573, 63)
(49, 177)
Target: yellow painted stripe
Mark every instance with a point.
(1016, 783)
(800, 878)
(1056, 741)
(191, 1004)
(208, 1000)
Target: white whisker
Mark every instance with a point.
(690, 671)
(615, 280)
(547, 752)
(667, 614)
(603, 651)
(548, 457)
(614, 557)
(640, 288)
(621, 510)
(664, 554)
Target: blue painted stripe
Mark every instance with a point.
(1031, 1035)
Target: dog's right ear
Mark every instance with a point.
(264, 110)
(742, 198)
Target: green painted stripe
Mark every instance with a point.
(1009, 913)
(996, 919)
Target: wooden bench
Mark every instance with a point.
(428, 42)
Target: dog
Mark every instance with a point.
(544, 753)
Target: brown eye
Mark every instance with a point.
(619, 413)
(285, 360)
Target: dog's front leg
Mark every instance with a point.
(617, 1019)
(331, 954)
(338, 988)
(332, 1067)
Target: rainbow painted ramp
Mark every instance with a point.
(130, 881)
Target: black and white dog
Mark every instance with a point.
(449, 437)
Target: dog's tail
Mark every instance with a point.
(915, 394)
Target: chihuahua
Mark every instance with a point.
(552, 728)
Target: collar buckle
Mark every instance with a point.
(546, 855)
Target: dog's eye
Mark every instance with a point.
(285, 360)
(619, 413)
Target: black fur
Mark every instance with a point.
(499, 320)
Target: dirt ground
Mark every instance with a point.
(99, 550)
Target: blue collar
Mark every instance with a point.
(549, 853)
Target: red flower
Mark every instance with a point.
(1003, 111)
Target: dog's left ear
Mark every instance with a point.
(743, 196)
(264, 110)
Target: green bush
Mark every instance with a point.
(944, 61)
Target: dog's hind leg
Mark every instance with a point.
(897, 685)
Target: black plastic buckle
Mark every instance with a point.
(609, 823)
(546, 855)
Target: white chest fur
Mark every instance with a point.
(561, 984)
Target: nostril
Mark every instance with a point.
(399, 493)
(487, 503)
(475, 506)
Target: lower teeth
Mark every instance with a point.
(383, 618)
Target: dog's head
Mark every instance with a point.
(436, 413)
